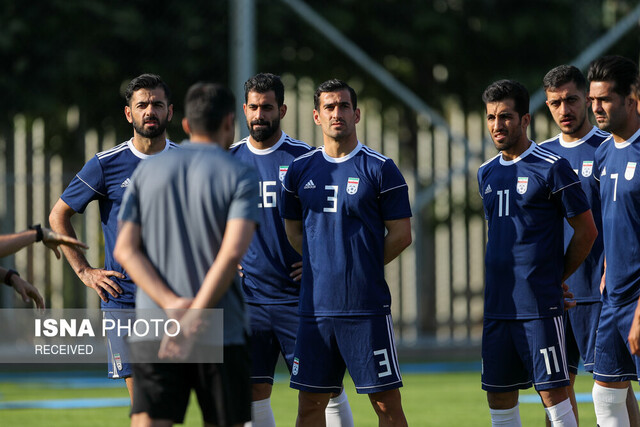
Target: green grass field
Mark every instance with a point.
(446, 399)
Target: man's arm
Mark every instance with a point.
(128, 252)
(397, 239)
(95, 278)
(235, 242)
(27, 291)
(12, 243)
(293, 228)
(584, 234)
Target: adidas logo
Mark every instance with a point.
(309, 185)
(125, 183)
(488, 189)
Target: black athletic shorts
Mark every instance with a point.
(223, 390)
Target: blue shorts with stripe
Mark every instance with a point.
(614, 361)
(273, 332)
(117, 347)
(581, 324)
(519, 353)
(326, 346)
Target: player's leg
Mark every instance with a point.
(504, 408)
(129, 382)
(318, 369)
(311, 408)
(558, 407)
(117, 346)
(144, 420)
(388, 406)
(368, 347)
(546, 358)
(338, 412)
(503, 372)
(614, 366)
(265, 350)
(573, 327)
(284, 319)
(224, 389)
(632, 407)
(161, 394)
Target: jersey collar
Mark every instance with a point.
(143, 156)
(625, 144)
(269, 150)
(504, 162)
(352, 154)
(573, 144)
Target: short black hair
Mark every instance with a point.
(508, 89)
(563, 74)
(263, 83)
(206, 105)
(334, 85)
(622, 71)
(146, 81)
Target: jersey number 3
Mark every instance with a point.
(333, 200)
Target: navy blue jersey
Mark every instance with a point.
(343, 204)
(525, 201)
(585, 282)
(615, 168)
(105, 178)
(267, 263)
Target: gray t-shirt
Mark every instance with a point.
(182, 200)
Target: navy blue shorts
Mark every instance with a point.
(519, 353)
(273, 332)
(581, 324)
(117, 347)
(326, 346)
(614, 361)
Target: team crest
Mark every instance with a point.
(352, 185)
(296, 365)
(630, 171)
(118, 360)
(523, 183)
(587, 168)
(282, 171)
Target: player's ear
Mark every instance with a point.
(357, 115)
(526, 120)
(283, 111)
(316, 117)
(127, 113)
(185, 126)
(170, 111)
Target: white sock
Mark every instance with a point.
(262, 414)
(506, 417)
(611, 406)
(338, 412)
(561, 415)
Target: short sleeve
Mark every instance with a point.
(566, 188)
(290, 206)
(394, 193)
(246, 193)
(86, 186)
(130, 207)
